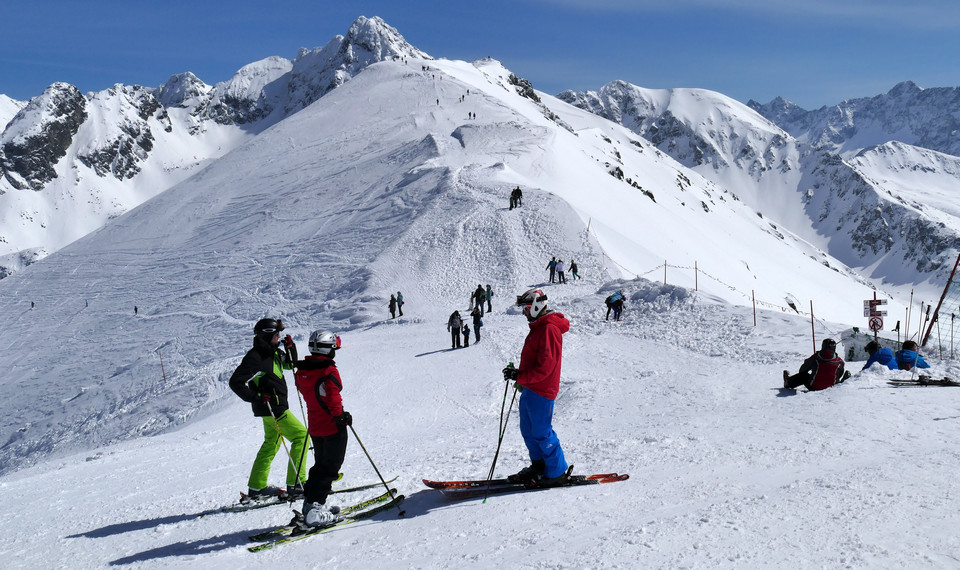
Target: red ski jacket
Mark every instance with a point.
(318, 380)
(541, 355)
(826, 369)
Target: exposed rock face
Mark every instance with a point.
(129, 142)
(813, 153)
(39, 136)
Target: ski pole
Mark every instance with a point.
(387, 487)
(303, 414)
(503, 430)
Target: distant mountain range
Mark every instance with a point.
(834, 165)
(69, 162)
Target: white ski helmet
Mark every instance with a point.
(323, 342)
(534, 303)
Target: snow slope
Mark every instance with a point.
(727, 471)
(386, 184)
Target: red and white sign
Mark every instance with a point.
(875, 323)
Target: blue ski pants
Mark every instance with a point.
(536, 427)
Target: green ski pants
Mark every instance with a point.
(293, 431)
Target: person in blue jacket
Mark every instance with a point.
(907, 357)
(880, 354)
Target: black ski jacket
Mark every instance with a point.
(261, 374)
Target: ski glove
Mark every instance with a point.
(344, 419)
(290, 347)
(510, 373)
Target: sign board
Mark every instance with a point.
(875, 323)
(871, 308)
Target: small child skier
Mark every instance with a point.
(319, 381)
(466, 335)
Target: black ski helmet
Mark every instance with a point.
(266, 328)
(872, 347)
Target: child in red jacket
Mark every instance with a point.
(319, 381)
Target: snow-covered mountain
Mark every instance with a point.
(69, 162)
(907, 113)
(386, 178)
(799, 178)
(398, 179)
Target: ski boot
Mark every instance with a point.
(317, 515)
(294, 493)
(529, 473)
(544, 482)
(261, 495)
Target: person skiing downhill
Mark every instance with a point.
(259, 380)
(318, 379)
(539, 379)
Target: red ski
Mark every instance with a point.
(479, 487)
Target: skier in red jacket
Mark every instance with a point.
(820, 371)
(539, 378)
(319, 381)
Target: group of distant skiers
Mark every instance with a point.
(456, 325)
(516, 198)
(558, 268)
(395, 304)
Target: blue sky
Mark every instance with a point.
(813, 52)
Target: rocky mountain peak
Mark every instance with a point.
(39, 135)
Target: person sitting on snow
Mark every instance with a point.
(880, 354)
(907, 357)
(820, 371)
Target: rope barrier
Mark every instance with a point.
(749, 296)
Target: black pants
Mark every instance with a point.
(455, 338)
(798, 380)
(328, 454)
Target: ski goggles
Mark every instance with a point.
(525, 300)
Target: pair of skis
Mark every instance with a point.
(282, 498)
(471, 488)
(356, 512)
(924, 381)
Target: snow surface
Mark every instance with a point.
(110, 460)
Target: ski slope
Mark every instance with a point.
(108, 457)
